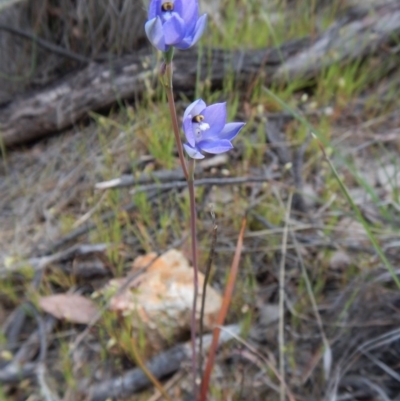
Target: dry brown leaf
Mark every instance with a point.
(72, 307)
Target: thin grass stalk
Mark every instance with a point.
(172, 110)
(222, 313)
(282, 302)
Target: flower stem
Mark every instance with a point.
(171, 102)
(189, 175)
(193, 215)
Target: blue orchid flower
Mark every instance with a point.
(206, 130)
(174, 23)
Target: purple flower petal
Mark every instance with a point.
(190, 12)
(174, 29)
(230, 131)
(188, 130)
(194, 36)
(179, 7)
(154, 9)
(215, 117)
(194, 153)
(215, 147)
(195, 108)
(184, 44)
(154, 31)
(199, 28)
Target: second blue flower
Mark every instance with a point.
(206, 129)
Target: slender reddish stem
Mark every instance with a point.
(189, 175)
(172, 111)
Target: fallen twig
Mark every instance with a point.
(219, 181)
(44, 261)
(162, 175)
(160, 366)
(156, 176)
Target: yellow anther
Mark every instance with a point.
(198, 119)
(167, 6)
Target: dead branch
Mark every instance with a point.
(218, 181)
(162, 175)
(41, 263)
(160, 366)
(100, 84)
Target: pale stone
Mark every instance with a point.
(160, 301)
